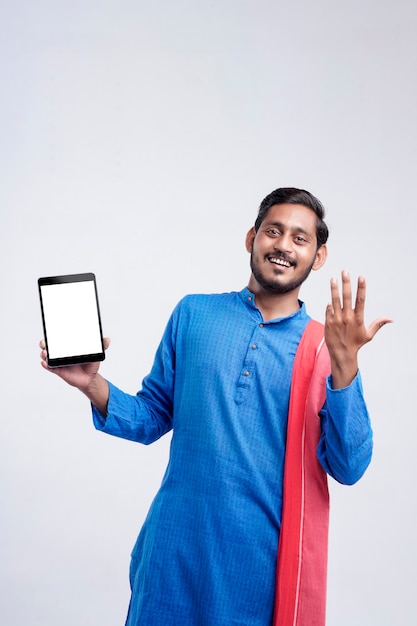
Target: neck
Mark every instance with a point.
(273, 305)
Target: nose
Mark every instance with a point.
(284, 243)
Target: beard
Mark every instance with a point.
(274, 286)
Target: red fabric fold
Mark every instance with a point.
(300, 598)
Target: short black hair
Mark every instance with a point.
(292, 195)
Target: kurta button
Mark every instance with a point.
(249, 298)
(246, 373)
(261, 325)
(254, 346)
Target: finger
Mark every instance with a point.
(360, 298)
(334, 290)
(346, 290)
(46, 366)
(328, 313)
(42, 344)
(377, 325)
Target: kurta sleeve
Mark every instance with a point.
(146, 416)
(345, 446)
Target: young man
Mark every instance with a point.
(260, 411)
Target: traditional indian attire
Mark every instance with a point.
(221, 380)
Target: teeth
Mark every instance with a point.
(280, 262)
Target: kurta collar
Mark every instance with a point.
(248, 299)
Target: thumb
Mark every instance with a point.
(377, 325)
(106, 342)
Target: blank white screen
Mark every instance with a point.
(71, 319)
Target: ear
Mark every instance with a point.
(250, 237)
(321, 256)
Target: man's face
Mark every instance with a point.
(284, 250)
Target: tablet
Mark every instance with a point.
(71, 319)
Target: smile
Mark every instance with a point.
(279, 261)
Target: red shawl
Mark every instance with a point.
(300, 598)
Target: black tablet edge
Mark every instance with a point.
(75, 360)
(66, 278)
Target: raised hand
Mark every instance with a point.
(345, 331)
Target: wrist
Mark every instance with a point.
(97, 391)
(94, 385)
(343, 371)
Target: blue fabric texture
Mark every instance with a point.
(206, 555)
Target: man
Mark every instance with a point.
(241, 383)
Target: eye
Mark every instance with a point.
(300, 239)
(273, 232)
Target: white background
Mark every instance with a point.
(137, 140)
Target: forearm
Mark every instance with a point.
(149, 414)
(345, 447)
(135, 418)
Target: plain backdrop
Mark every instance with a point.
(137, 141)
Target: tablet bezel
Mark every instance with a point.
(80, 358)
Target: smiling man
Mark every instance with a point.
(262, 409)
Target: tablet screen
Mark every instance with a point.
(71, 319)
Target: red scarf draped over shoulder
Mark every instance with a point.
(300, 598)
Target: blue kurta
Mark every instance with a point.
(206, 555)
